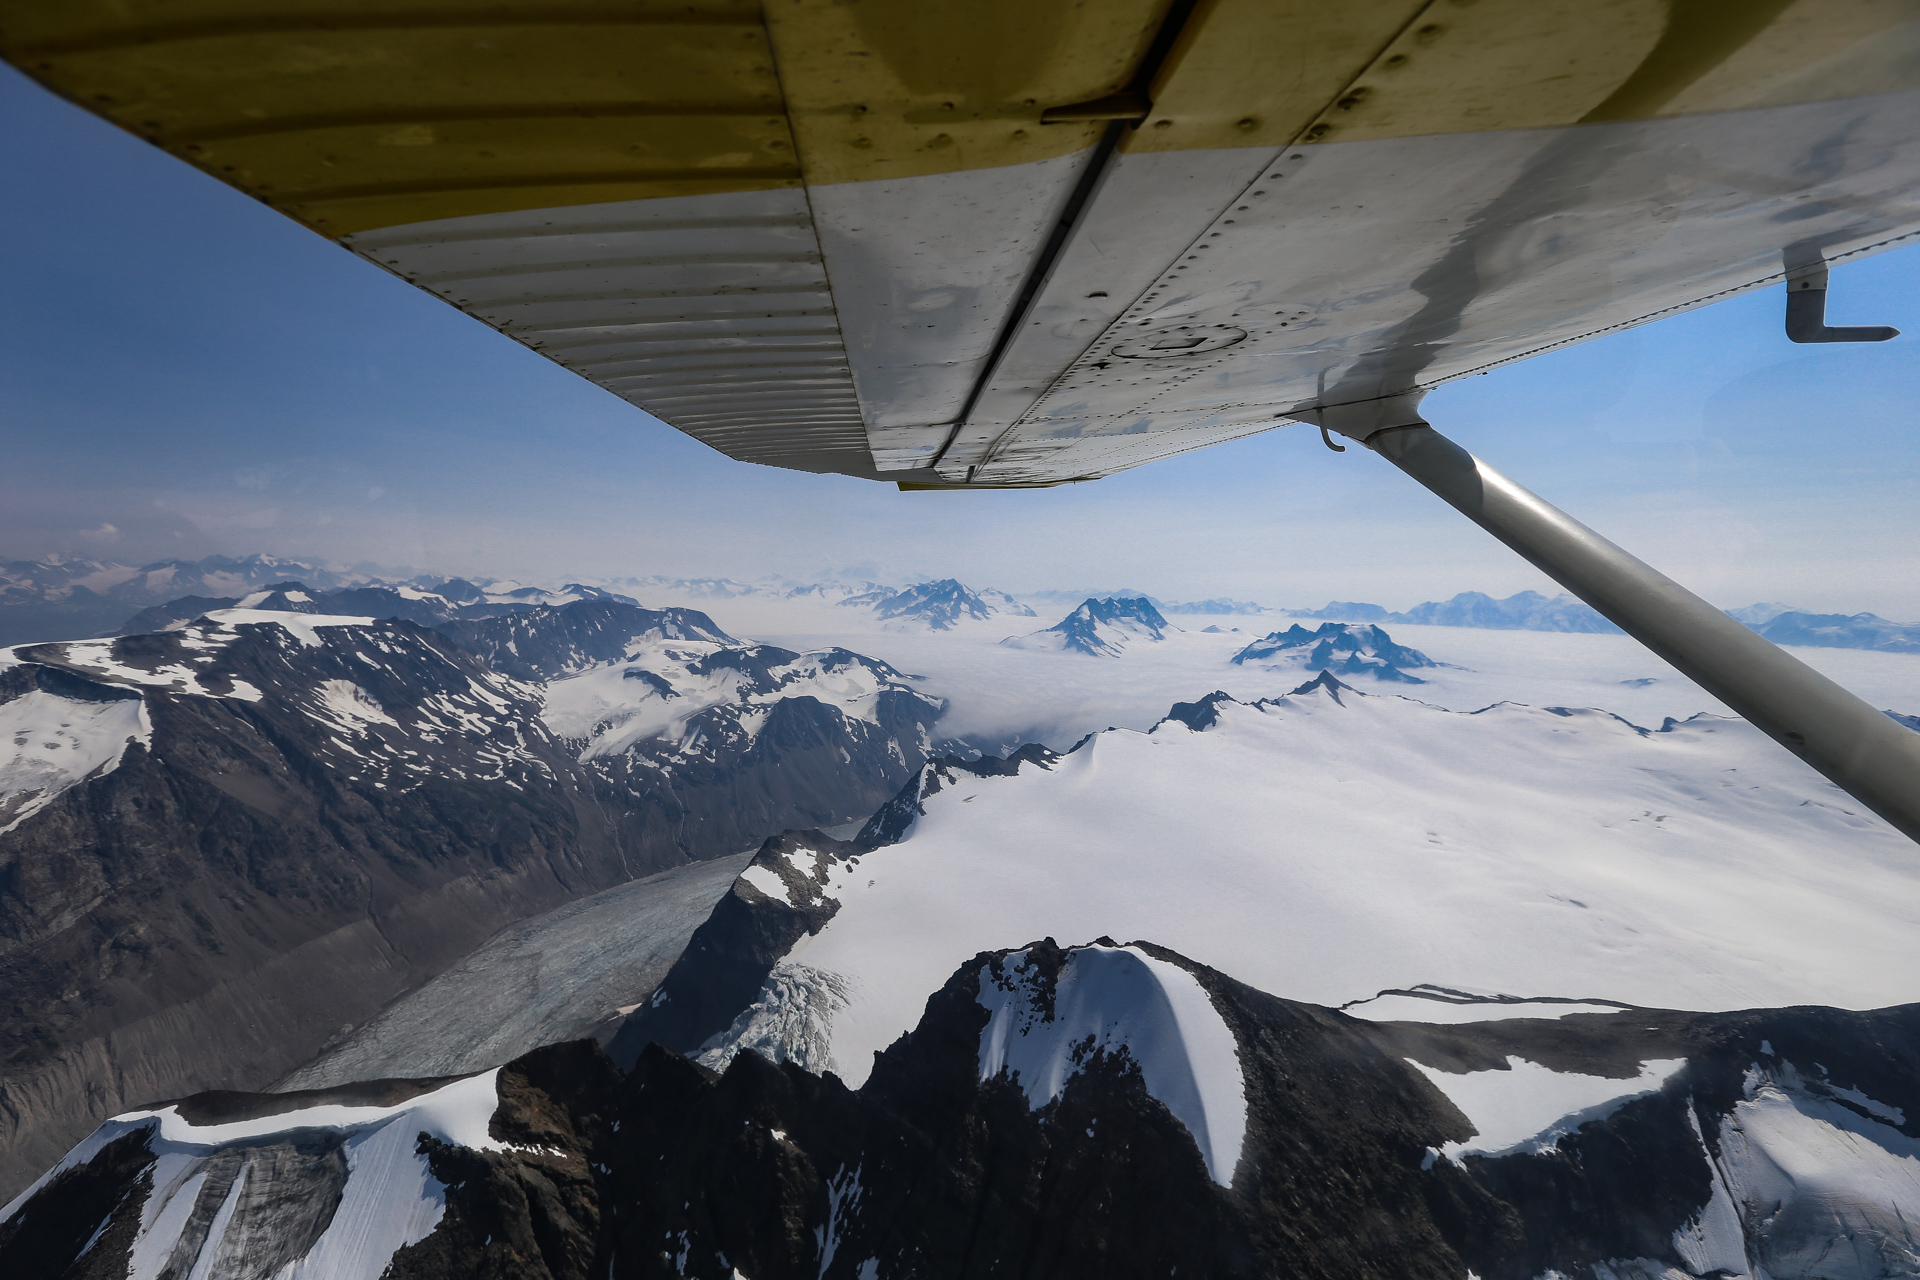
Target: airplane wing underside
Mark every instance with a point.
(989, 243)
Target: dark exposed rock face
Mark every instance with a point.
(544, 642)
(733, 951)
(803, 764)
(1349, 649)
(314, 819)
(311, 830)
(1202, 715)
(931, 1171)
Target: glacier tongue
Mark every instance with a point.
(1044, 1029)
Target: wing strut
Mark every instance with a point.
(1863, 751)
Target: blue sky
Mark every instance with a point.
(183, 371)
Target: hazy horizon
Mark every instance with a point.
(189, 373)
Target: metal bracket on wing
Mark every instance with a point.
(1807, 309)
(1359, 419)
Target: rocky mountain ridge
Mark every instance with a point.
(1841, 631)
(1624, 1146)
(63, 598)
(857, 1069)
(1425, 805)
(194, 822)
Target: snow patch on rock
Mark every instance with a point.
(1528, 1107)
(49, 744)
(353, 707)
(303, 627)
(390, 1198)
(1116, 1000)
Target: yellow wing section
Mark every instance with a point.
(953, 242)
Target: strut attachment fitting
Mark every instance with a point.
(1807, 310)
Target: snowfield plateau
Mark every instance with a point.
(1329, 845)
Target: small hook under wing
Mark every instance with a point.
(1807, 310)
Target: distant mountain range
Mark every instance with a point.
(449, 601)
(1100, 628)
(62, 599)
(1531, 611)
(67, 599)
(937, 606)
(1525, 611)
(1841, 631)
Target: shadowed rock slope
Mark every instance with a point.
(223, 847)
(1703, 1144)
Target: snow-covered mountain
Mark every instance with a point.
(661, 701)
(680, 718)
(1347, 649)
(59, 598)
(1102, 628)
(936, 606)
(547, 642)
(209, 804)
(896, 1065)
(202, 819)
(1333, 844)
(1345, 611)
(1082, 1111)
